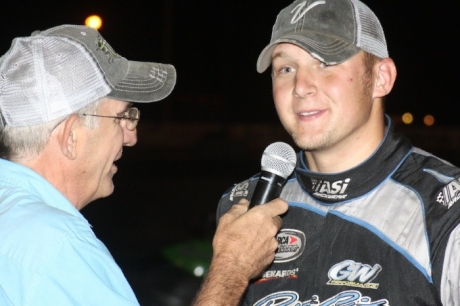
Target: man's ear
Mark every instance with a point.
(385, 77)
(68, 137)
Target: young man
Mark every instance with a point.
(372, 220)
(65, 114)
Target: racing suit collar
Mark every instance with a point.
(347, 185)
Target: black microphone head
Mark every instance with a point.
(279, 158)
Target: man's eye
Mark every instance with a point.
(323, 65)
(286, 69)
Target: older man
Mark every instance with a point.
(65, 114)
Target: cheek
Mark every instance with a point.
(280, 101)
(282, 92)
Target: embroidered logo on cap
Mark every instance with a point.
(300, 10)
(103, 46)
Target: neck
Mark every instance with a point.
(350, 151)
(53, 168)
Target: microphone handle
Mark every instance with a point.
(268, 188)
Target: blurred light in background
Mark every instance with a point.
(407, 118)
(94, 21)
(428, 120)
(199, 271)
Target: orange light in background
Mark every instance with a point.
(407, 118)
(428, 120)
(94, 22)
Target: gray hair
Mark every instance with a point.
(18, 143)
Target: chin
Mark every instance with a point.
(107, 190)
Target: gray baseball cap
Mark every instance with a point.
(330, 30)
(54, 73)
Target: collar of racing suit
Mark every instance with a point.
(338, 187)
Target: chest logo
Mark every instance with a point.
(345, 298)
(291, 244)
(278, 274)
(354, 274)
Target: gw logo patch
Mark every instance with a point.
(354, 274)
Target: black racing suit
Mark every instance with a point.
(373, 235)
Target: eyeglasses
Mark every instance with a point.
(132, 116)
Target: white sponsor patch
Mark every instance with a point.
(291, 244)
(240, 190)
(450, 194)
(354, 274)
(344, 298)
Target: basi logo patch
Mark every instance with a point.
(291, 244)
(330, 190)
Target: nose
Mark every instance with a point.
(129, 137)
(304, 85)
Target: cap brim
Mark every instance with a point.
(145, 82)
(329, 50)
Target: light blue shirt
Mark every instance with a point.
(48, 253)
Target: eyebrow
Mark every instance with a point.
(130, 104)
(279, 54)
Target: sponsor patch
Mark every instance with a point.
(345, 298)
(277, 274)
(353, 274)
(240, 190)
(330, 190)
(291, 244)
(450, 194)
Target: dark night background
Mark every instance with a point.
(211, 131)
(215, 44)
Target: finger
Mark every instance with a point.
(239, 208)
(278, 222)
(243, 202)
(274, 245)
(275, 207)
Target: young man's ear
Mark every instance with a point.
(385, 77)
(68, 137)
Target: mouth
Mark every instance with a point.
(310, 114)
(114, 167)
(118, 155)
(306, 114)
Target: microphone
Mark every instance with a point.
(278, 162)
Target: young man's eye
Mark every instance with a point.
(323, 65)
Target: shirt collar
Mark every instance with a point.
(17, 175)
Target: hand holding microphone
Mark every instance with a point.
(278, 162)
(245, 240)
